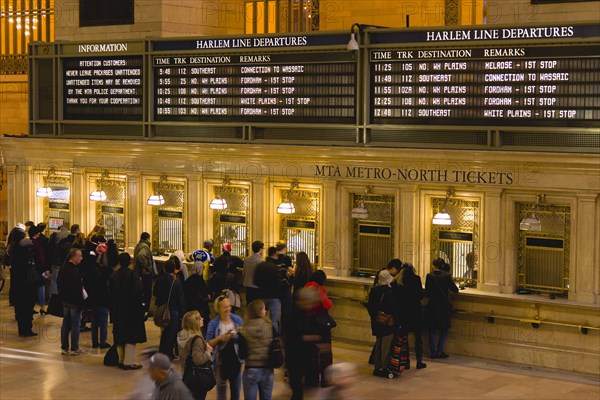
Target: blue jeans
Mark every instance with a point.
(41, 295)
(234, 386)
(99, 322)
(439, 349)
(258, 381)
(273, 307)
(71, 320)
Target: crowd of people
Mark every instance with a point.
(287, 310)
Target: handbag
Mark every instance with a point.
(198, 377)
(111, 358)
(275, 353)
(385, 319)
(162, 315)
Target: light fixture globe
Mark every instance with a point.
(218, 204)
(360, 212)
(156, 200)
(442, 218)
(531, 223)
(44, 192)
(352, 44)
(98, 195)
(286, 208)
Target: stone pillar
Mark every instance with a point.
(408, 235)
(82, 209)
(134, 207)
(583, 272)
(258, 218)
(12, 197)
(491, 264)
(330, 232)
(192, 220)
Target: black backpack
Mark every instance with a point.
(229, 363)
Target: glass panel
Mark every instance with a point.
(111, 212)
(301, 229)
(56, 207)
(231, 224)
(167, 220)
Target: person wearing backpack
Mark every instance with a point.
(258, 374)
(222, 336)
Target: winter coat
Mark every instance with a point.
(126, 306)
(268, 281)
(200, 353)
(196, 295)
(258, 333)
(381, 298)
(142, 258)
(162, 287)
(437, 285)
(70, 287)
(408, 298)
(98, 287)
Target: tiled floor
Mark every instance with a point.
(33, 368)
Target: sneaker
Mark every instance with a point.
(79, 352)
(65, 352)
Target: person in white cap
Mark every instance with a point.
(168, 383)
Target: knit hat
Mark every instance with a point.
(226, 247)
(385, 278)
(160, 361)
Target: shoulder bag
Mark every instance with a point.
(162, 315)
(275, 352)
(384, 318)
(198, 377)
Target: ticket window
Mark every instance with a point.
(231, 224)
(543, 253)
(168, 229)
(373, 233)
(458, 243)
(301, 229)
(111, 212)
(57, 206)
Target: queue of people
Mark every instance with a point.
(284, 304)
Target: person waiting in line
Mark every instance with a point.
(144, 266)
(258, 374)
(197, 295)
(168, 290)
(408, 291)
(322, 323)
(70, 290)
(437, 314)
(236, 267)
(222, 336)
(221, 279)
(127, 311)
(303, 271)
(42, 262)
(250, 264)
(23, 279)
(206, 257)
(181, 257)
(169, 385)
(99, 300)
(191, 342)
(268, 281)
(381, 299)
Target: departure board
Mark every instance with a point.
(103, 88)
(293, 87)
(513, 85)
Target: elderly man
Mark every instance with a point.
(169, 385)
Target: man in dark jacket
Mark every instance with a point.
(267, 278)
(144, 266)
(65, 245)
(23, 281)
(70, 290)
(169, 290)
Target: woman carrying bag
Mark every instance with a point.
(195, 352)
(169, 291)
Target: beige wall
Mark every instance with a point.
(13, 104)
(503, 12)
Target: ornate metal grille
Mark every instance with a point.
(373, 238)
(57, 208)
(231, 225)
(458, 244)
(168, 230)
(452, 12)
(543, 256)
(111, 212)
(301, 230)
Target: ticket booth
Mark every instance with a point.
(231, 224)
(168, 229)
(456, 240)
(373, 233)
(301, 228)
(110, 207)
(57, 206)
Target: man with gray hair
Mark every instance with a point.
(169, 385)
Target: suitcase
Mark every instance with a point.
(398, 354)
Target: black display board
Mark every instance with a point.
(103, 88)
(270, 87)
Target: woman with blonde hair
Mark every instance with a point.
(191, 343)
(258, 332)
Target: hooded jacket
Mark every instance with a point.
(172, 388)
(258, 334)
(200, 353)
